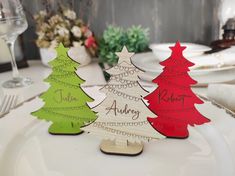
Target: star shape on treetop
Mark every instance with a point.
(124, 55)
(61, 49)
(177, 48)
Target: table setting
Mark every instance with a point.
(209, 68)
(117, 105)
(26, 145)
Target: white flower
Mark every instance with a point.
(77, 44)
(44, 27)
(62, 31)
(41, 35)
(54, 44)
(56, 19)
(43, 13)
(70, 14)
(76, 31)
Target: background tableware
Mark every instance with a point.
(223, 94)
(225, 11)
(9, 101)
(12, 23)
(147, 62)
(204, 76)
(226, 76)
(162, 51)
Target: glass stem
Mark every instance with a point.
(15, 72)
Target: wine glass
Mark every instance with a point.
(13, 23)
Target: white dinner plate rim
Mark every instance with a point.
(150, 56)
(199, 47)
(34, 132)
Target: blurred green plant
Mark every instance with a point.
(137, 39)
(114, 38)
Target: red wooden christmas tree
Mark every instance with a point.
(173, 101)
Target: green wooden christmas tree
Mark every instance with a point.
(65, 101)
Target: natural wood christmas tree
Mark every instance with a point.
(173, 101)
(122, 116)
(65, 101)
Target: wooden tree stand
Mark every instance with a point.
(121, 147)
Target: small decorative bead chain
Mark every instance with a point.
(124, 86)
(121, 68)
(119, 132)
(65, 115)
(125, 74)
(68, 74)
(62, 64)
(123, 80)
(63, 83)
(116, 92)
(122, 123)
(65, 108)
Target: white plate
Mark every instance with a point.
(26, 149)
(162, 50)
(226, 76)
(147, 62)
(192, 47)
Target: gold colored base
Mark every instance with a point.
(132, 149)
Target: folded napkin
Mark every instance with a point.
(215, 60)
(223, 94)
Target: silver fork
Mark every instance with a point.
(9, 101)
